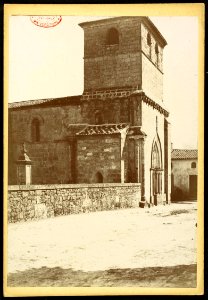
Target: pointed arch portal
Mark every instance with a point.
(156, 171)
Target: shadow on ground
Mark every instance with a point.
(171, 277)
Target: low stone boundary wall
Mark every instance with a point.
(45, 201)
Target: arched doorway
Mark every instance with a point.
(156, 172)
(98, 178)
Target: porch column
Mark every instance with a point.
(138, 138)
(142, 171)
(73, 152)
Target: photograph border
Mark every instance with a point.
(179, 9)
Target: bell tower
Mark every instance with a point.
(123, 53)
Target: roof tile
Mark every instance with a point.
(184, 154)
(50, 101)
(103, 129)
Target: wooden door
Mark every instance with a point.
(193, 186)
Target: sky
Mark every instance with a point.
(48, 63)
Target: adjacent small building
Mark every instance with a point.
(184, 166)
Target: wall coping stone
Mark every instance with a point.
(69, 186)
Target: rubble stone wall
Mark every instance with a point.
(44, 201)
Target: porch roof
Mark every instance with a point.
(103, 129)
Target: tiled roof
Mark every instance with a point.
(50, 101)
(103, 129)
(184, 154)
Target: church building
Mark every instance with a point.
(117, 131)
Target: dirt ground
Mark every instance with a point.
(151, 247)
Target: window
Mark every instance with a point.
(193, 165)
(157, 53)
(35, 130)
(112, 37)
(156, 49)
(148, 39)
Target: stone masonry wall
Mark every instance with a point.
(51, 155)
(99, 154)
(51, 162)
(149, 50)
(112, 110)
(45, 201)
(116, 65)
(152, 80)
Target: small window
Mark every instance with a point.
(193, 165)
(148, 39)
(35, 130)
(112, 37)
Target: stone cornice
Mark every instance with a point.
(69, 186)
(151, 102)
(122, 93)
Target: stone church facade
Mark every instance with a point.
(117, 131)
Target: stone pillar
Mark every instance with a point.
(123, 139)
(73, 153)
(23, 168)
(138, 137)
(142, 171)
(167, 161)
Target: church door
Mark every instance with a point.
(156, 173)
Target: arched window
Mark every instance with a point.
(112, 37)
(156, 49)
(98, 118)
(148, 39)
(98, 177)
(193, 165)
(157, 53)
(35, 130)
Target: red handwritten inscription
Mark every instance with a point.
(46, 21)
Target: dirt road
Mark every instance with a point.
(131, 247)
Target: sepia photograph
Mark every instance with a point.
(103, 114)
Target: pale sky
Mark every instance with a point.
(48, 63)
